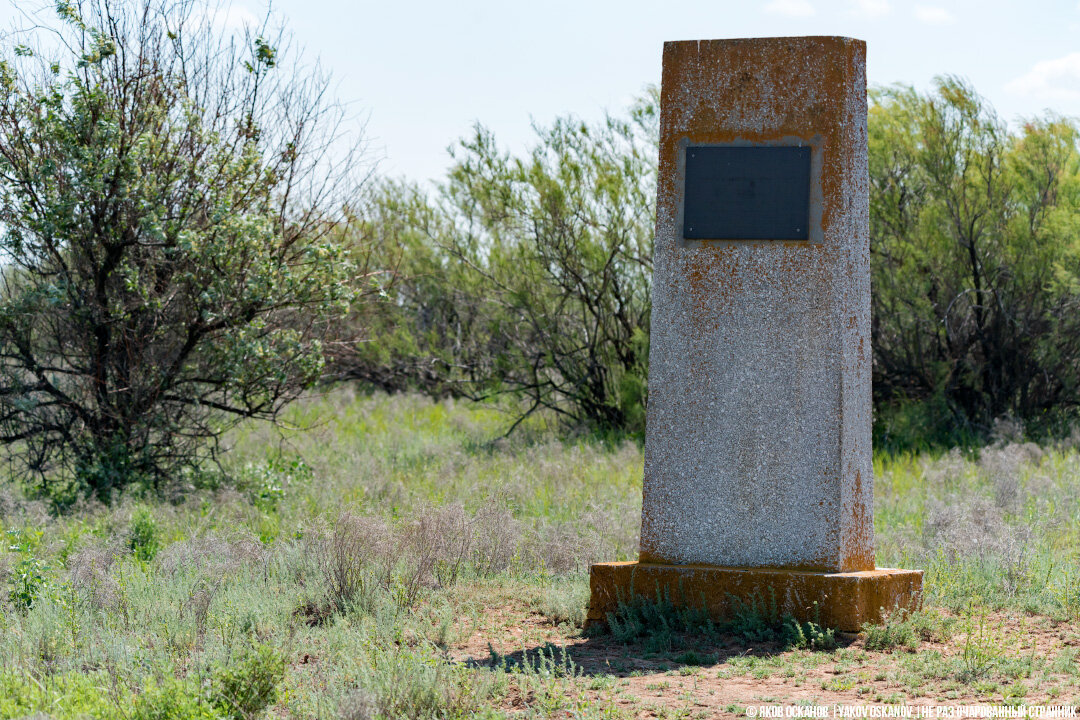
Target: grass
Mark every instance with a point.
(391, 558)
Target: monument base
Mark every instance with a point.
(844, 600)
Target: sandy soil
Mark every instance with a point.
(1027, 661)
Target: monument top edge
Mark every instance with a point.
(838, 39)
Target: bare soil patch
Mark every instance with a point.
(1014, 659)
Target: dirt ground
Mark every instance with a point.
(1003, 659)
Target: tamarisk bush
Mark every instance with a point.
(171, 217)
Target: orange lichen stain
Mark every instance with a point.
(857, 551)
(843, 600)
(755, 91)
(739, 74)
(712, 273)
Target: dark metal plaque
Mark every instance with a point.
(746, 193)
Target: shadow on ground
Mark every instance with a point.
(603, 654)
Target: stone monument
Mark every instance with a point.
(758, 467)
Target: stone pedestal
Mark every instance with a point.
(758, 464)
(834, 600)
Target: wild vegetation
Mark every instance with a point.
(184, 244)
(392, 560)
(523, 276)
(530, 275)
(188, 242)
(974, 231)
(168, 207)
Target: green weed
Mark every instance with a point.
(174, 699)
(659, 621)
(28, 581)
(567, 601)
(144, 541)
(982, 648)
(244, 686)
(67, 695)
(1067, 592)
(757, 621)
(904, 630)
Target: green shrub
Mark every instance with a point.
(174, 700)
(806, 635)
(144, 541)
(897, 631)
(983, 648)
(1066, 593)
(28, 576)
(658, 620)
(755, 621)
(28, 581)
(931, 625)
(692, 657)
(184, 296)
(661, 621)
(265, 483)
(73, 695)
(524, 275)
(246, 686)
(973, 260)
(566, 602)
(413, 684)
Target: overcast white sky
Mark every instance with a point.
(424, 72)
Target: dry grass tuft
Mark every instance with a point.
(974, 528)
(358, 705)
(89, 572)
(212, 555)
(1004, 465)
(358, 553)
(197, 605)
(497, 536)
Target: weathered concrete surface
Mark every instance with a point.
(836, 600)
(758, 449)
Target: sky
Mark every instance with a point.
(418, 75)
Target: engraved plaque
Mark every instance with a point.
(746, 193)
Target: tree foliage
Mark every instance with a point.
(975, 237)
(531, 274)
(169, 215)
(526, 276)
